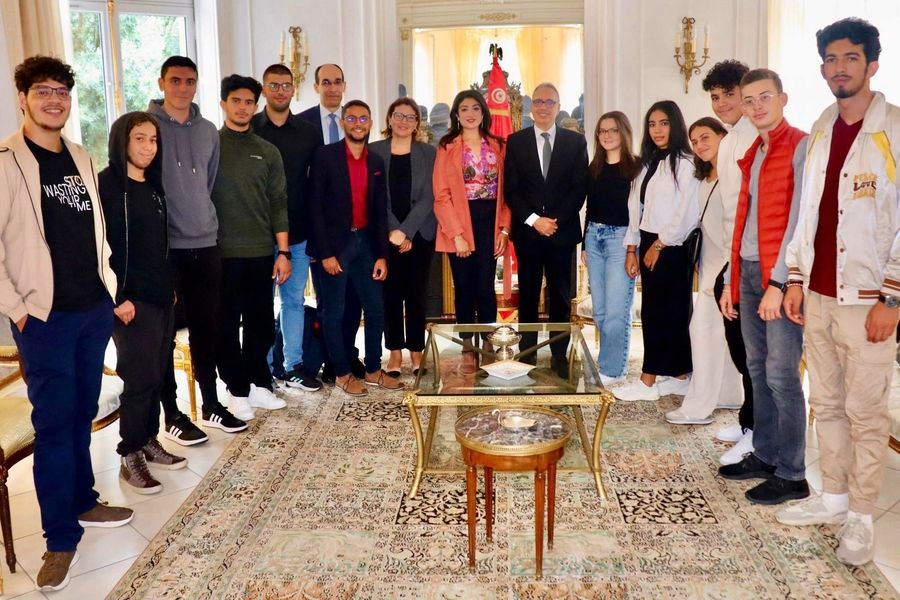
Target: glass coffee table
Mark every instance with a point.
(454, 375)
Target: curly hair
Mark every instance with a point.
(240, 82)
(854, 29)
(36, 69)
(725, 74)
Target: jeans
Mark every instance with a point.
(773, 359)
(63, 364)
(612, 294)
(292, 319)
(357, 263)
(143, 353)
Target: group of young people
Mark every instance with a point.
(214, 219)
(800, 253)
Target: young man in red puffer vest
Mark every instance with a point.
(766, 216)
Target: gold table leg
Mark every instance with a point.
(420, 442)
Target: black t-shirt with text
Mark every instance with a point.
(69, 231)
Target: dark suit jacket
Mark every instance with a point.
(421, 217)
(314, 117)
(560, 197)
(331, 204)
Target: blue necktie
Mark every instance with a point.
(333, 134)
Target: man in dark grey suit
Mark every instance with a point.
(544, 187)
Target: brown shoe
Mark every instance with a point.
(106, 516)
(382, 379)
(134, 473)
(159, 457)
(350, 385)
(54, 574)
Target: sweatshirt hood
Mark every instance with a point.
(118, 152)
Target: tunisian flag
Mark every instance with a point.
(498, 103)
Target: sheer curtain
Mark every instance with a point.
(793, 55)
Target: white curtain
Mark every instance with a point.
(793, 54)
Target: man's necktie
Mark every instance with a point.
(546, 151)
(333, 134)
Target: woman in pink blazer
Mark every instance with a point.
(473, 219)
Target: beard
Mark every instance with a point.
(43, 124)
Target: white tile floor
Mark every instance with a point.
(107, 553)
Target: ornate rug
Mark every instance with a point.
(310, 503)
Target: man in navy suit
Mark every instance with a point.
(544, 187)
(349, 242)
(326, 119)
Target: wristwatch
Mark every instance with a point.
(659, 246)
(889, 301)
(778, 285)
(285, 253)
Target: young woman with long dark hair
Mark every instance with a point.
(662, 211)
(610, 177)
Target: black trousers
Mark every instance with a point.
(405, 286)
(474, 276)
(735, 341)
(538, 260)
(666, 310)
(198, 276)
(246, 300)
(143, 353)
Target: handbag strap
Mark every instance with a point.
(703, 214)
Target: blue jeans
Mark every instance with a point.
(774, 349)
(612, 293)
(291, 294)
(63, 361)
(357, 263)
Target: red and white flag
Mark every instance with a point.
(498, 102)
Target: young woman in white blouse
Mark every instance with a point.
(715, 379)
(662, 211)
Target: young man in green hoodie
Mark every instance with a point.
(250, 197)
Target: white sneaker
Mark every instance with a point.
(608, 381)
(240, 408)
(677, 417)
(260, 397)
(730, 434)
(636, 390)
(673, 385)
(857, 541)
(812, 511)
(736, 453)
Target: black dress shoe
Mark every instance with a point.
(560, 366)
(358, 369)
(749, 468)
(777, 490)
(328, 374)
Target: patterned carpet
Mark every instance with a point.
(311, 503)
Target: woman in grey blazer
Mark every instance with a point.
(412, 226)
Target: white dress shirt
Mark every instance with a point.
(326, 122)
(671, 211)
(539, 138)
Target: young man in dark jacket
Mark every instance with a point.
(131, 193)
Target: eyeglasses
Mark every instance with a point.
(399, 116)
(329, 83)
(362, 120)
(285, 87)
(549, 103)
(45, 92)
(763, 99)
(610, 131)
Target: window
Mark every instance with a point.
(116, 54)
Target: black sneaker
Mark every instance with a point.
(224, 420)
(296, 379)
(328, 374)
(777, 490)
(183, 431)
(749, 468)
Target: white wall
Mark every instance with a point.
(359, 35)
(629, 47)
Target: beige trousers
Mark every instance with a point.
(850, 383)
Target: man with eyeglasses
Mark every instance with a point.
(326, 118)
(846, 250)
(545, 178)
(349, 242)
(765, 219)
(296, 140)
(56, 288)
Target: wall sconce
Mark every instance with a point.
(686, 40)
(299, 57)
